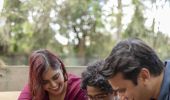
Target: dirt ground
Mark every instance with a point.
(11, 95)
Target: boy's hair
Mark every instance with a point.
(92, 77)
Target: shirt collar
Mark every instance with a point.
(165, 87)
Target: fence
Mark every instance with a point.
(13, 78)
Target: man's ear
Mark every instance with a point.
(144, 75)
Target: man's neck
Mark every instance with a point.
(157, 86)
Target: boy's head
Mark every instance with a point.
(96, 85)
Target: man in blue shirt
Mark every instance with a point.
(134, 70)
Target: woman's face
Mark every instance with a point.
(53, 82)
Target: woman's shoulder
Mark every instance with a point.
(73, 77)
(73, 81)
(74, 90)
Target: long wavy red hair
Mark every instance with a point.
(39, 63)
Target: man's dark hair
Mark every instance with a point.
(92, 77)
(129, 57)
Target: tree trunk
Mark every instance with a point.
(81, 51)
(119, 20)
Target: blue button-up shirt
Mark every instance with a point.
(165, 87)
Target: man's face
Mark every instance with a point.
(128, 90)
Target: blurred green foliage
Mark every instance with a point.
(79, 31)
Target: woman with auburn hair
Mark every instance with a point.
(48, 80)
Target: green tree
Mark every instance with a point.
(82, 19)
(136, 27)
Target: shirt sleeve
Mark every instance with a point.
(25, 94)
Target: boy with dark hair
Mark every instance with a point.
(96, 85)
